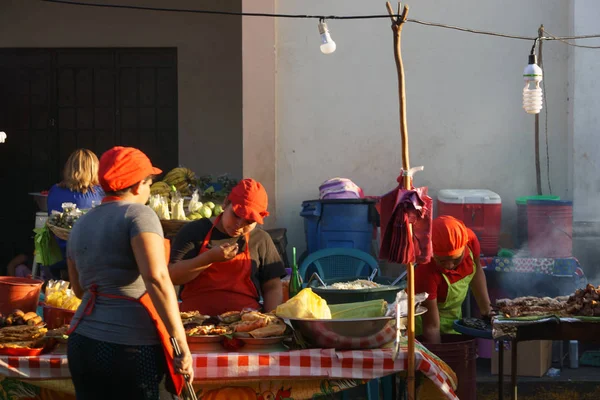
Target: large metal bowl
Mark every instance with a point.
(341, 296)
(346, 334)
(350, 334)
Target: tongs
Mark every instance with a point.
(399, 278)
(316, 276)
(188, 384)
(373, 274)
(398, 332)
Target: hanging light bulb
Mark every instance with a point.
(532, 93)
(327, 44)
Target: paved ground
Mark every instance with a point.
(572, 384)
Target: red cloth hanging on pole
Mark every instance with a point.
(397, 210)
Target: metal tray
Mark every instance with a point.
(205, 339)
(262, 341)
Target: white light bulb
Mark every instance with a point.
(327, 44)
(2, 137)
(532, 93)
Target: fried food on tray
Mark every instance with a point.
(21, 333)
(58, 332)
(230, 317)
(209, 330)
(192, 317)
(269, 331)
(253, 321)
(29, 344)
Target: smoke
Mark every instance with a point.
(543, 278)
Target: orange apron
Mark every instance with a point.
(224, 286)
(145, 301)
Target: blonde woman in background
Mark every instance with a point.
(79, 186)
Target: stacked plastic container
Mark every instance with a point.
(522, 232)
(479, 209)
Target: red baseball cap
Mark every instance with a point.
(249, 200)
(122, 167)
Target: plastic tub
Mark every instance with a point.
(342, 223)
(550, 228)
(19, 293)
(460, 353)
(55, 317)
(522, 215)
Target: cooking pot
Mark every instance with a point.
(341, 296)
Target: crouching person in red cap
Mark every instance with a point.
(120, 337)
(229, 265)
(454, 269)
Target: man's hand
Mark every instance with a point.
(224, 252)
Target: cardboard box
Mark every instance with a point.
(534, 358)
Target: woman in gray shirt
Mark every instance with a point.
(117, 265)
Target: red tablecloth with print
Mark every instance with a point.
(326, 363)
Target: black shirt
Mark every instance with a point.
(266, 262)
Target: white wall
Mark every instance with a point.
(585, 121)
(209, 62)
(337, 115)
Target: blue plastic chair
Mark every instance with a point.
(338, 263)
(341, 263)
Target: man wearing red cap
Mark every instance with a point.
(229, 266)
(453, 269)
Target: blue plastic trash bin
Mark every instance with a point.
(346, 223)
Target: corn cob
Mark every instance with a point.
(365, 309)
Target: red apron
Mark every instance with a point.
(224, 286)
(145, 301)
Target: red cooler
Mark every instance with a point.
(479, 209)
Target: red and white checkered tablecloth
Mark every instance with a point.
(314, 363)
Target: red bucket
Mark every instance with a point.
(55, 317)
(550, 228)
(19, 293)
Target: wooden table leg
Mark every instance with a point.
(500, 344)
(513, 370)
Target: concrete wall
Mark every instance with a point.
(584, 124)
(209, 62)
(337, 115)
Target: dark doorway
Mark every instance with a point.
(54, 101)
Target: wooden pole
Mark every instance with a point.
(397, 24)
(538, 174)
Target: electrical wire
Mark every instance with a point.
(231, 13)
(563, 39)
(458, 28)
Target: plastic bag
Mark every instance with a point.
(177, 209)
(160, 206)
(306, 304)
(195, 204)
(58, 294)
(46, 246)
